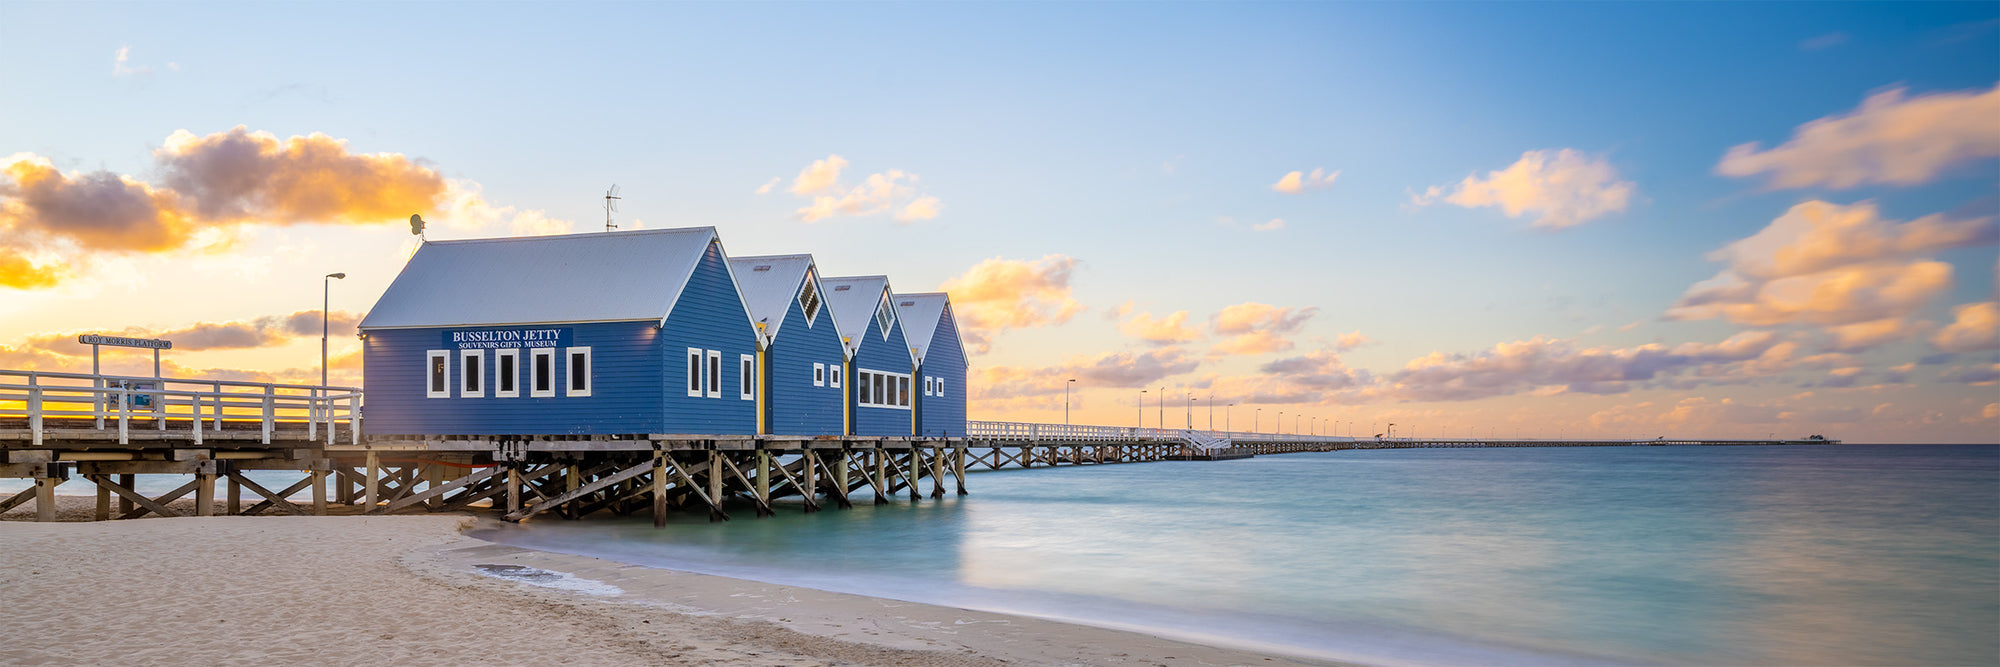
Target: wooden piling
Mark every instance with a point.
(204, 494)
(125, 505)
(103, 504)
(659, 489)
(958, 466)
(371, 481)
(715, 485)
(235, 505)
(45, 498)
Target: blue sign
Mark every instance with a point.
(492, 339)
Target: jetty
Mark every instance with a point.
(106, 429)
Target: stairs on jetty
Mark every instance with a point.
(1203, 446)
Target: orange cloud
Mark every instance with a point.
(1258, 328)
(892, 190)
(1864, 335)
(1891, 139)
(1833, 265)
(1351, 340)
(206, 183)
(264, 331)
(1298, 182)
(1562, 188)
(1168, 330)
(1975, 327)
(999, 294)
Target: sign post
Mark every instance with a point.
(94, 341)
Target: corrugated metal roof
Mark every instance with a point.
(853, 300)
(769, 284)
(597, 277)
(920, 314)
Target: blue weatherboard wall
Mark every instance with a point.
(945, 415)
(625, 391)
(710, 315)
(890, 356)
(794, 405)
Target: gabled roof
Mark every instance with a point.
(596, 277)
(770, 285)
(854, 307)
(921, 314)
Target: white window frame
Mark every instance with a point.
(696, 363)
(818, 301)
(940, 387)
(499, 378)
(473, 373)
(893, 386)
(833, 375)
(927, 385)
(569, 372)
(433, 381)
(746, 386)
(885, 316)
(714, 379)
(535, 355)
(819, 375)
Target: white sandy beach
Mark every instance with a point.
(354, 590)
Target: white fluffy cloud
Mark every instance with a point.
(1892, 139)
(1561, 189)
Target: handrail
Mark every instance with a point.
(30, 395)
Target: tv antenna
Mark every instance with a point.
(610, 206)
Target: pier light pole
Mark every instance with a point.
(1256, 420)
(1280, 427)
(1190, 412)
(1225, 416)
(326, 300)
(1142, 408)
(1066, 386)
(1163, 408)
(1211, 413)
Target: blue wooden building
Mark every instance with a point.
(802, 358)
(932, 330)
(881, 365)
(637, 332)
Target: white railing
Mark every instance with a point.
(204, 405)
(1026, 431)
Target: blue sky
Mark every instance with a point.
(1140, 141)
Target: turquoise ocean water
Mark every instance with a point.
(1685, 555)
(1862, 555)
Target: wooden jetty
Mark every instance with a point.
(105, 430)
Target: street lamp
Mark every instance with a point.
(1280, 428)
(1142, 408)
(1211, 413)
(1225, 416)
(326, 299)
(1163, 408)
(1066, 386)
(1190, 411)
(1257, 420)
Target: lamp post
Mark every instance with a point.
(1066, 386)
(1257, 420)
(1163, 408)
(326, 300)
(1226, 410)
(1142, 408)
(1190, 411)
(1280, 427)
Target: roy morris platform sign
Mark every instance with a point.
(121, 341)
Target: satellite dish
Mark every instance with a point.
(416, 225)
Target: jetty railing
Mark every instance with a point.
(73, 404)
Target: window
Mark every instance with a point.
(819, 375)
(542, 372)
(714, 379)
(507, 373)
(884, 316)
(809, 300)
(747, 386)
(439, 364)
(940, 386)
(472, 382)
(927, 385)
(877, 389)
(579, 372)
(694, 372)
(834, 379)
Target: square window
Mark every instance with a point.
(542, 372)
(438, 364)
(507, 373)
(471, 373)
(579, 372)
